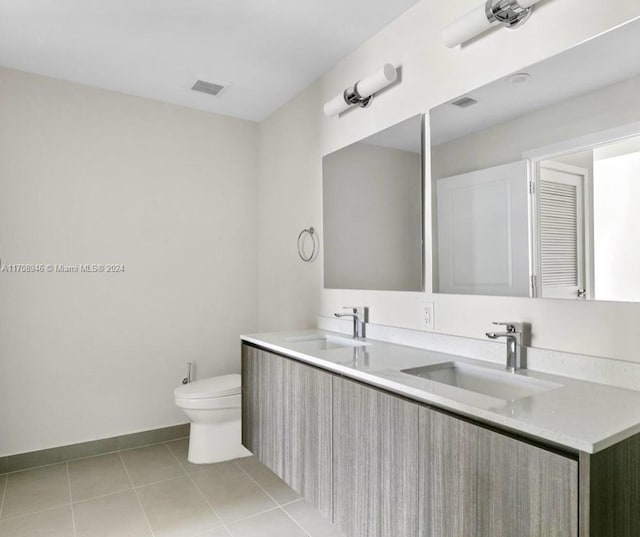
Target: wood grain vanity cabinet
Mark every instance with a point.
(478, 482)
(380, 465)
(375, 462)
(286, 409)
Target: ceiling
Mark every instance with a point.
(264, 51)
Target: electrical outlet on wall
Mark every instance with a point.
(426, 316)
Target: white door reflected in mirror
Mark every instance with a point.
(483, 232)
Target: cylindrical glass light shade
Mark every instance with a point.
(335, 106)
(377, 81)
(363, 89)
(473, 23)
(527, 3)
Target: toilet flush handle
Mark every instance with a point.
(187, 379)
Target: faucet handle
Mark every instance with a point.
(361, 311)
(511, 327)
(522, 330)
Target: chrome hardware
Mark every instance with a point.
(311, 233)
(514, 334)
(507, 12)
(360, 315)
(187, 379)
(352, 96)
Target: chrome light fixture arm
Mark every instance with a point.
(509, 13)
(351, 96)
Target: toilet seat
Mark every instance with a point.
(210, 388)
(209, 403)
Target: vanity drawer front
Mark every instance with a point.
(286, 411)
(308, 434)
(262, 406)
(480, 483)
(375, 462)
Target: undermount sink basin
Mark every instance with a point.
(326, 343)
(491, 382)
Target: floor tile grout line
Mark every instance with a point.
(204, 468)
(144, 513)
(28, 512)
(291, 502)
(130, 487)
(133, 485)
(270, 510)
(37, 512)
(281, 506)
(300, 524)
(161, 443)
(73, 514)
(276, 502)
(143, 485)
(295, 522)
(256, 482)
(85, 500)
(91, 456)
(33, 468)
(224, 525)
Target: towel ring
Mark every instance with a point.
(301, 238)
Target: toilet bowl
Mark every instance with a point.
(213, 408)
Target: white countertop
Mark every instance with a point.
(581, 415)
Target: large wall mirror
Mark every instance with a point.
(535, 178)
(372, 195)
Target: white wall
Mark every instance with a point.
(90, 176)
(290, 188)
(293, 140)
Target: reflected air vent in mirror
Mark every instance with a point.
(464, 102)
(207, 87)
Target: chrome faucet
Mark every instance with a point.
(514, 334)
(360, 316)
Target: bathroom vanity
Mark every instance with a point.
(383, 452)
(530, 190)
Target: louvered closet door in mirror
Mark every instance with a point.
(561, 231)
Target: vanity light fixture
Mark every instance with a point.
(362, 91)
(509, 13)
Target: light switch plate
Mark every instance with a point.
(426, 316)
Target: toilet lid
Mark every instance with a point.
(211, 387)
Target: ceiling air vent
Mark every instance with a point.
(464, 102)
(207, 87)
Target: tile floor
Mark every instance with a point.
(154, 492)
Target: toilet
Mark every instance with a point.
(213, 408)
